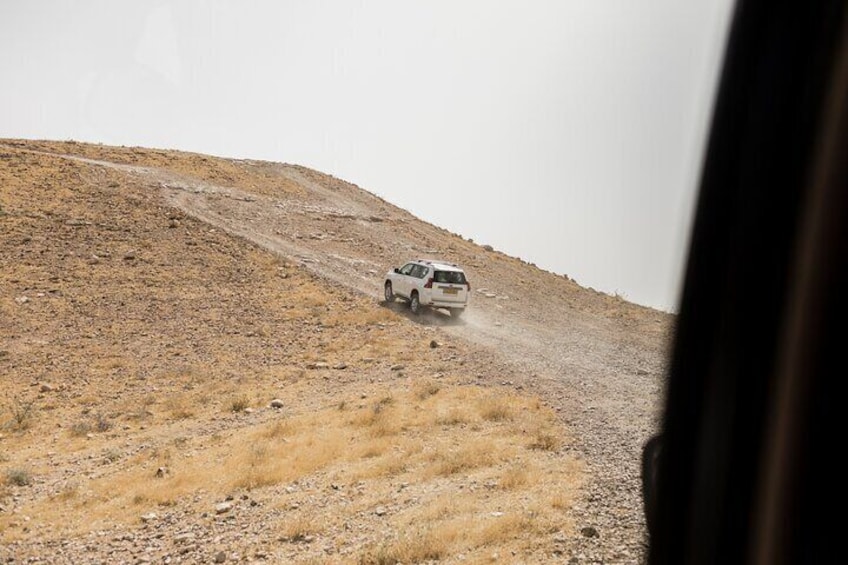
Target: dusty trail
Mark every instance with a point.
(601, 368)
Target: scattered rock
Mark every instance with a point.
(174, 223)
(161, 472)
(46, 387)
(223, 507)
(318, 365)
(488, 248)
(276, 403)
(398, 367)
(434, 344)
(22, 299)
(380, 511)
(589, 532)
(220, 557)
(149, 517)
(129, 255)
(340, 366)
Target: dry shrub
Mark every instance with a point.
(23, 413)
(240, 404)
(80, 428)
(18, 477)
(496, 408)
(298, 527)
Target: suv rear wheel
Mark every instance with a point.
(414, 304)
(390, 294)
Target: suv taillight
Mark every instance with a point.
(429, 283)
(469, 285)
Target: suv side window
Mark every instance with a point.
(407, 269)
(419, 271)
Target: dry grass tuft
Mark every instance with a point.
(425, 389)
(518, 476)
(453, 417)
(300, 528)
(561, 500)
(240, 404)
(18, 477)
(418, 547)
(180, 407)
(465, 458)
(382, 418)
(496, 408)
(95, 423)
(546, 439)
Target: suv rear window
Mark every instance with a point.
(454, 277)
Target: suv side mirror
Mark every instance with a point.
(397, 270)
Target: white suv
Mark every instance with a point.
(429, 283)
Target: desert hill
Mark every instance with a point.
(155, 304)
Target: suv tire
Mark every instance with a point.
(389, 293)
(414, 304)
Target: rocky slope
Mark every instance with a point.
(154, 303)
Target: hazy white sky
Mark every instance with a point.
(566, 132)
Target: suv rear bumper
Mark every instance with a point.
(439, 304)
(427, 300)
